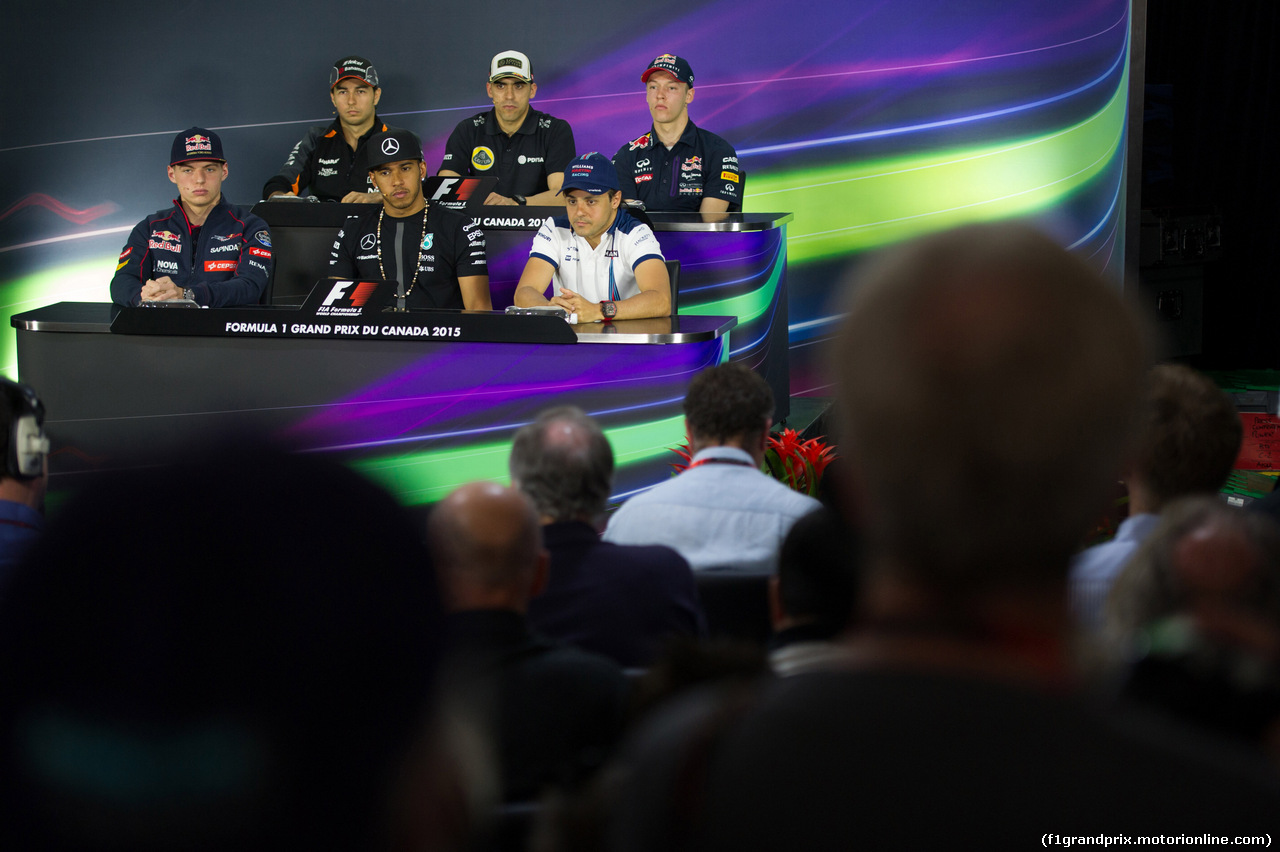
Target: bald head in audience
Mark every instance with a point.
(487, 543)
(986, 379)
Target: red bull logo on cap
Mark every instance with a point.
(198, 143)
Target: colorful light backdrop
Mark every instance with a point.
(870, 121)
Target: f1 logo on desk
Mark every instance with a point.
(464, 188)
(358, 298)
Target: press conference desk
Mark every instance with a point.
(731, 264)
(419, 413)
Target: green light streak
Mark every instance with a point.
(747, 306)
(87, 281)
(429, 475)
(849, 208)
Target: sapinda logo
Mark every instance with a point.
(359, 296)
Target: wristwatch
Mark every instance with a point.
(520, 199)
(188, 293)
(608, 310)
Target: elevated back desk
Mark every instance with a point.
(422, 402)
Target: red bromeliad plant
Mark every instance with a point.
(796, 464)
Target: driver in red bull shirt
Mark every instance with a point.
(677, 166)
(202, 248)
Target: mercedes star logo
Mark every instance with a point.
(390, 146)
(368, 241)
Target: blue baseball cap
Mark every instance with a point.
(592, 173)
(196, 143)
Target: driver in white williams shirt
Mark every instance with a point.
(604, 263)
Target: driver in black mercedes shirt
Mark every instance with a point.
(436, 257)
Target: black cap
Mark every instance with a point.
(353, 66)
(196, 143)
(391, 146)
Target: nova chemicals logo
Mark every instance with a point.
(390, 146)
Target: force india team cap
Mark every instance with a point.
(592, 172)
(510, 63)
(196, 143)
(353, 66)
(393, 145)
(673, 65)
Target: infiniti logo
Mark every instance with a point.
(368, 241)
(390, 146)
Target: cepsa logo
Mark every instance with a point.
(219, 266)
(257, 252)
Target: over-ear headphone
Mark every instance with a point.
(26, 445)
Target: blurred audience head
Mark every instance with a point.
(1188, 436)
(816, 583)
(563, 463)
(1193, 620)
(1205, 560)
(986, 380)
(487, 545)
(231, 652)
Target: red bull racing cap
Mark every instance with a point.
(673, 65)
(196, 143)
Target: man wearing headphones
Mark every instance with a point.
(24, 473)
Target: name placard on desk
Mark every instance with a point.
(349, 310)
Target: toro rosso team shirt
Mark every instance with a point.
(676, 179)
(453, 247)
(323, 162)
(521, 162)
(605, 272)
(226, 261)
